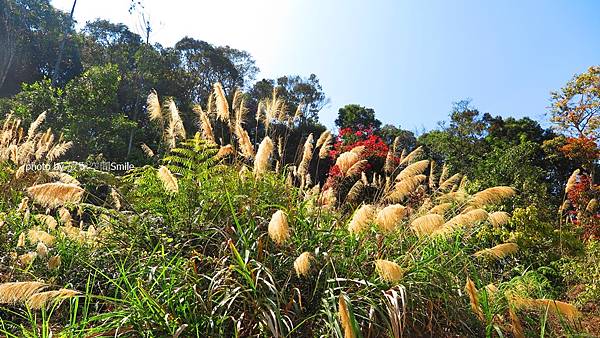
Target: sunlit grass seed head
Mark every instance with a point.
(168, 179)
(361, 219)
(389, 217)
(279, 230)
(388, 270)
(55, 194)
(302, 264)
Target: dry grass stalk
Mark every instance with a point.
(499, 218)
(450, 182)
(14, 292)
(406, 187)
(302, 264)
(153, 107)
(54, 262)
(388, 166)
(147, 150)
(31, 132)
(344, 313)
(388, 270)
(246, 147)
(355, 191)
(41, 299)
(441, 209)
(572, 181)
(205, 125)
(35, 236)
(361, 219)
(27, 258)
(555, 307)
(279, 230)
(471, 290)
(412, 170)
(322, 138)
(388, 218)
(47, 220)
(65, 216)
(168, 180)
(221, 103)
(492, 196)
(326, 147)
(21, 240)
(55, 194)
(412, 156)
(307, 154)
(515, 324)
(499, 251)
(356, 169)
(263, 155)
(426, 224)
(225, 151)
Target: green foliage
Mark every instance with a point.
(356, 117)
(582, 274)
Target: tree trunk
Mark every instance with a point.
(62, 45)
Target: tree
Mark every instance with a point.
(34, 35)
(296, 91)
(356, 117)
(92, 116)
(576, 107)
(389, 133)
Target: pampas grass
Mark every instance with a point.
(405, 187)
(153, 107)
(279, 230)
(412, 156)
(344, 314)
(361, 219)
(426, 224)
(54, 262)
(471, 291)
(205, 125)
(346, 160)
(388, 218)
(498, 218)
(35, 236)
(389, 271)
(412, 170)
(55, 194)
(306, 156)
(492, 196)
(14, 292)
(47, 220)
(147, 150)
(41, 299)
(326, 147)
(263, 155)
(499, 251)
(322, 138)
(555, 307)
(168, 180)
(225, 151)
(441, 209)
(355, 191)
(221, 103)
(572, 181)
(302, 264)
(246, 147)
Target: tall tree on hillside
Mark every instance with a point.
(34, 36)
(356, 117)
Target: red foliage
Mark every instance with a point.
(581, 148)
(349, 139)
(580, 195)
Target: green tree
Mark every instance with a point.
(92, 116)
(356, 117)
(32, 34)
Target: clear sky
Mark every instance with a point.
(408, 60)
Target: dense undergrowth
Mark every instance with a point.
(216, 240)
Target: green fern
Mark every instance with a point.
(192, 158)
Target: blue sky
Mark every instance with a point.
(408, 60)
